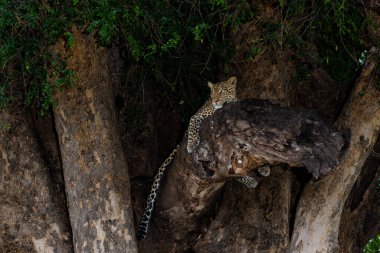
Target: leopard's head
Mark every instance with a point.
(223, 92)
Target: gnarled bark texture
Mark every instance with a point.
(95, 169)
(259, 78)
(200, 207)
(317, 221)
(257, 133)
(360, 219)
(33, 215)
(251, 220)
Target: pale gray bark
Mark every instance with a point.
(95, 169)
(32, 212)
(319, 211)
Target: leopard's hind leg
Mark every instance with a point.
(251, 182)
(264, 171)
(248, 181)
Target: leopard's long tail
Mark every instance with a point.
(150, 203)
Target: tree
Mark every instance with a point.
(65, 184)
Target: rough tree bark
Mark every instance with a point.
(255, 132)
(95, 169)
(360, 219)
(32, 218)
(259, 78)
(317, 221)
(33, 215)
(251, 220)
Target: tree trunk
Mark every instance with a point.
(317, 222)
(360, 219)
(95, 169)
(267, 221)
(33, 216)
(251, 220)
(200, 207)
(255, 132)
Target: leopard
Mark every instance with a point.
(221, 94)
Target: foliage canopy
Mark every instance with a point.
(180, 41)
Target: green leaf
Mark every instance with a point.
(373, 245)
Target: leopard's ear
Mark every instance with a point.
(210, 85)
(232, 80)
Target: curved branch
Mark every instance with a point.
(317, 230)
(260, 133)
(235, 141)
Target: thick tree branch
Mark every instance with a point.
(259, 133)
(255, 132)
(317, 224)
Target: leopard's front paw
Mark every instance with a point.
(264, 171)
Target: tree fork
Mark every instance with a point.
(317, 224)
(236, 141)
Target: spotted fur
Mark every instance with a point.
(150, 203)
(248, 181)
(264, 171)
(251, 182)
(221, 94)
